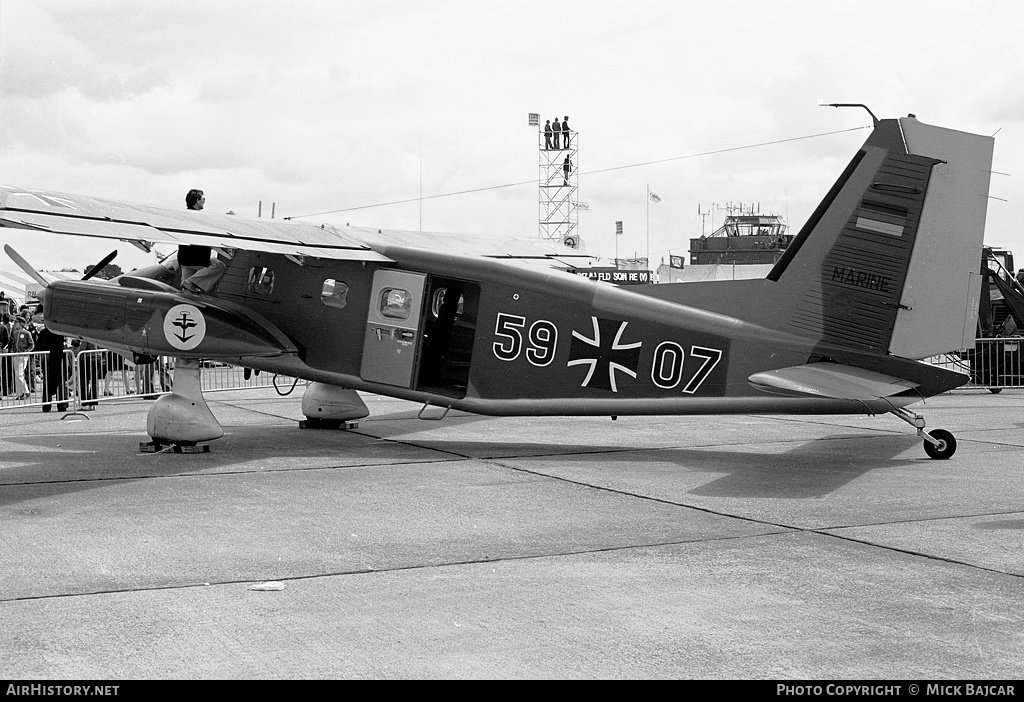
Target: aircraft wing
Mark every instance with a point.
(832, 380)
(143, 225)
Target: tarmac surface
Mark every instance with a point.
(748, 547)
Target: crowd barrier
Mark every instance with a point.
(81, 380)
(84, 379)
(992, 363)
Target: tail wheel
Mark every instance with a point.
(946, 446)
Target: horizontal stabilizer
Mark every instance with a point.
(832, 380)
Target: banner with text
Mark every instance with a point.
(614, 275)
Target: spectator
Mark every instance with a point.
(115, 362)
(55, 374)
(91, 367)
(144, 379)
(22, 344)
(6, 367)
(194, 199)
(201, 270)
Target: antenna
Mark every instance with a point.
(850, 104)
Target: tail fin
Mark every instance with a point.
(889, 260)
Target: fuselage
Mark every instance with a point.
(471, 333)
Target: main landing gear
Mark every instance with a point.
(182, 418)
(938, 443)
(331, 407)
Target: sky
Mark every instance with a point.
(325, 106)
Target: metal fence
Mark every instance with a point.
(992, 363)
(82, 379)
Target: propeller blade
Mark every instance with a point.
(24, 265)
(100, 266)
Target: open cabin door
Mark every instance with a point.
(420, 332)
(451, 307)
(393, 327)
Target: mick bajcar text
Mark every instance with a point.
(965, 689)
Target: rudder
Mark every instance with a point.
(939, 307)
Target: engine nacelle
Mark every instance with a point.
(160, 322)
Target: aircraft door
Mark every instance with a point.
(393, 328)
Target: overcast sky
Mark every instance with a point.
(332, 105)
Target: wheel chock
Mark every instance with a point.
(158, 447)
(327, 424)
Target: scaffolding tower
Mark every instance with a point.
(559, 188)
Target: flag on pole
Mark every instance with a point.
(654, 197)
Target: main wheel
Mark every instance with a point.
(995, 391)
(946, 447)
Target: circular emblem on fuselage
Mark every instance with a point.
(184, 327)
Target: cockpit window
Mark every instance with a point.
(334, 293)
(261, 280)
(395, 303)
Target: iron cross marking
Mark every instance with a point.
(604, 354)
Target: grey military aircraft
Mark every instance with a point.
(883, 274)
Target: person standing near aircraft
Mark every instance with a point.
(202, 274)
(547, 135)
(556, 127)
(55, 375)
(195, 199)
(21, 343)
(91, 367)
(6, 378)
(565, 132)
(202, 279)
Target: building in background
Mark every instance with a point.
(752, 239)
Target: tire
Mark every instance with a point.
(946, 447)
(995, 391)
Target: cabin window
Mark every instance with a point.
(334, 293)
(261, 280)
(438, 302)
(395, 303)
